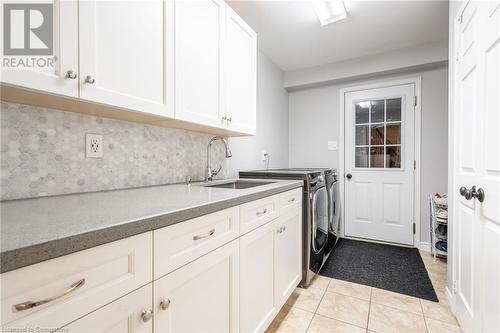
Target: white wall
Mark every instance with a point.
(272, 124)
(373, 66)
(314, 120)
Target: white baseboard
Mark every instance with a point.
(449, 297)
(425, 246)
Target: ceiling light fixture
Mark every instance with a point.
(329, 11)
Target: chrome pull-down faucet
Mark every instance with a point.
(209, 176)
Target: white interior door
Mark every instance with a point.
(477, 163)
(379, 163)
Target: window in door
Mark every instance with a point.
(378, 134)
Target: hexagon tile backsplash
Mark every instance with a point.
(43, 153)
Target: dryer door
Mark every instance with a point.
(334, 208)
(320, 219)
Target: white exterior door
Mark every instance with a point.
(65, 51)
(126, 54)
(476, 124)
(379, 164)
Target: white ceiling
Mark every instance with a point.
(290, 34)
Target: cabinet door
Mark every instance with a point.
(124, 315)
(257, 300)
(51, 79)
(201, 296)
(288, 254)
(240, 70)
(199, 35)
(126, 54)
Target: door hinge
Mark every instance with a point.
(415, 101)
(414, 164)
(414, 228)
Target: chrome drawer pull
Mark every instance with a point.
(262, 212)
(30, 304)
(291, 200)
(210, 233)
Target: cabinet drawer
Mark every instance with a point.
(183, 242)
(85, 280)
(124, 315)
(256, 213)
(291, 199)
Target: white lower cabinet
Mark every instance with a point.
(129, 314)
(288, 255)
(270, 269)
(201, 296)
(257, 301)
(229, 271)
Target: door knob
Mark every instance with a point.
(472, 193)
(348, 176)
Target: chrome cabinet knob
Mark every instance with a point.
(71, 74)
(164, 303)
(89, 79)
(229, 119)
(224, 118)
(146, 315)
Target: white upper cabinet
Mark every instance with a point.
(126, 54)
(194, 61)
(240, 68)
(199, 38)
(62, 77)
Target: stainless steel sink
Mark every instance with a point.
(239, 184)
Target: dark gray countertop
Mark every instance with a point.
(38, 229)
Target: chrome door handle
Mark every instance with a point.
(479, 194)
(348, 176)
(89, 79)
(472, 193)
(71, 74)
(261, 212)
(31, 304)
(146, 315)
(164, 303)
(210, 233)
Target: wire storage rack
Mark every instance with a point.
(439, 225)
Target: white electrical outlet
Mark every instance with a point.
(94, 145)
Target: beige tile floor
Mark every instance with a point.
(331, 305)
